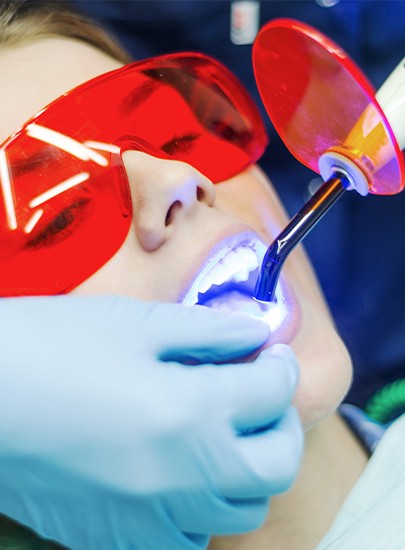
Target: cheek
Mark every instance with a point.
(251, 198)
(325, 365)
(125, 273)
(136, 273)
(326, 373)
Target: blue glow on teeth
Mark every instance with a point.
(273, 313)
(234, 267)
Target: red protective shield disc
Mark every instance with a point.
(319, 100)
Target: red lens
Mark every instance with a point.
(66, 205)
(319, 101)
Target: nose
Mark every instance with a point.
(164, 193)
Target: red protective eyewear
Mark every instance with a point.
(66, 206)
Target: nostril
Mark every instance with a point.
(200, 194)
(205, 192)
(171, 212)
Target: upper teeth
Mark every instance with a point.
(235, 265)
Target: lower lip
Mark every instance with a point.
(282, 316)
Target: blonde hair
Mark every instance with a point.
(24, 20)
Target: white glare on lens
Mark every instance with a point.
(7, 192)
(60, 188)
(33, 221)
(103, 146)
(65, 143)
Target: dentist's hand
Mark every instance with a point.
(108, 441)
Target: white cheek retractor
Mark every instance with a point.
(330, 119)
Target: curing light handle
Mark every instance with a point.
(391, 98)
(299, 226)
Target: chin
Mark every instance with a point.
(326, 375)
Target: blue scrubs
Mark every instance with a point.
(358, 248)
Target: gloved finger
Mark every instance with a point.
(242, 515)
(270, 460)
(258, 393)
(206, 336)
(213, 514)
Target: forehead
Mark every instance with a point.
(36, 73)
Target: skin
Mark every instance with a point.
(179, 217)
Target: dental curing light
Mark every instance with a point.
(331, 120)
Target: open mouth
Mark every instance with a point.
(228, 282)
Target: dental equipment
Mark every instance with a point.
(330, 119)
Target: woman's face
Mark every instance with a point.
(188, 234)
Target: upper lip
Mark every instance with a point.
(225, 260)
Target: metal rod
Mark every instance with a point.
(300, 225)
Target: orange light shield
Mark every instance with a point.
(319, 101)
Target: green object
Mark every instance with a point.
(14, 536)
(388, 403)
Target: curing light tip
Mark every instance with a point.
(301, 224)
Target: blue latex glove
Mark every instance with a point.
(107, 441)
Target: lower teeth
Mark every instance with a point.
(235, 301)
(273, 313)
